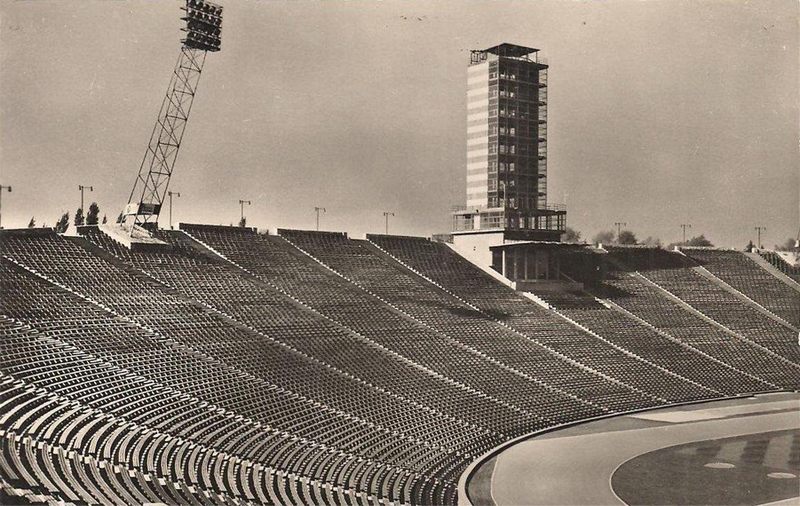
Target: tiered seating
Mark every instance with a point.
(793, 271)
(304, 401)
(270, 257)
(748, 277)
(371, 316)
(204, 332)
(659, 349)
(180, 377)
(567, 299)
(131, 352)
(437, 262)
(467, 281)
(674, 273)
(647, 258)
(368, 268)
(545, 400)
(648, 303)
(57, 464)
(277, 316)
(69, 393)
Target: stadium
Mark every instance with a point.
(495, 363)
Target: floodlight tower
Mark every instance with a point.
(759, 229)
(241, 204)
(386, 215)
(684, 226)
(81, 189)
(203, 28)
(619, 225)
(317, 210)
(171, 194)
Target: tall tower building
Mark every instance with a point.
(507, 146)
(507, 223)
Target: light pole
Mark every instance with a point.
(386, 215)
(81, 188)
(241, 204)
(317, 210)
(170, 194)
(759, 229)
(1, 201)
(684, 226)
(619, 225)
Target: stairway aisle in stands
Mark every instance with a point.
(674, 273)
(369, 268)
(792, 271)
(417, 441)
(648, 302)
(231, 366)
(439, 263)
(275, 315)
(268, 256)
(745, 275)
(658, 347)
(90, 383)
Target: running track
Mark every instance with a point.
(574, 466)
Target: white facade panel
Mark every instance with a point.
(480, 105)
(483, 99)
(484, 151)
(478, 177)
(478, 201)
(479, 140)
(479, 68)
(478, 115)
(478, 91)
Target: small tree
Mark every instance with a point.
(604, 237)
(32, 223)
(626, 237)
(93, 214)
(571, 235)
(243, 222)
(749, 246)
(700, 240)
(78, 217)
(105, 219)
(788, 245)
(62, 223)
(652, 241)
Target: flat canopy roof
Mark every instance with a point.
(539, 244)
(506, 49)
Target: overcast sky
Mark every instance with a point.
(661, 112)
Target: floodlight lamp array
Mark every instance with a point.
(203, 25)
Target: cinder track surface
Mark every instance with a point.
(576, 465)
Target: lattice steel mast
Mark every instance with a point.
(203, 28)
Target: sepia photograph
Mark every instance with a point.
(400, 252)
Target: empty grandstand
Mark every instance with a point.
(314, 368)
(215, 364)
(777, 261)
